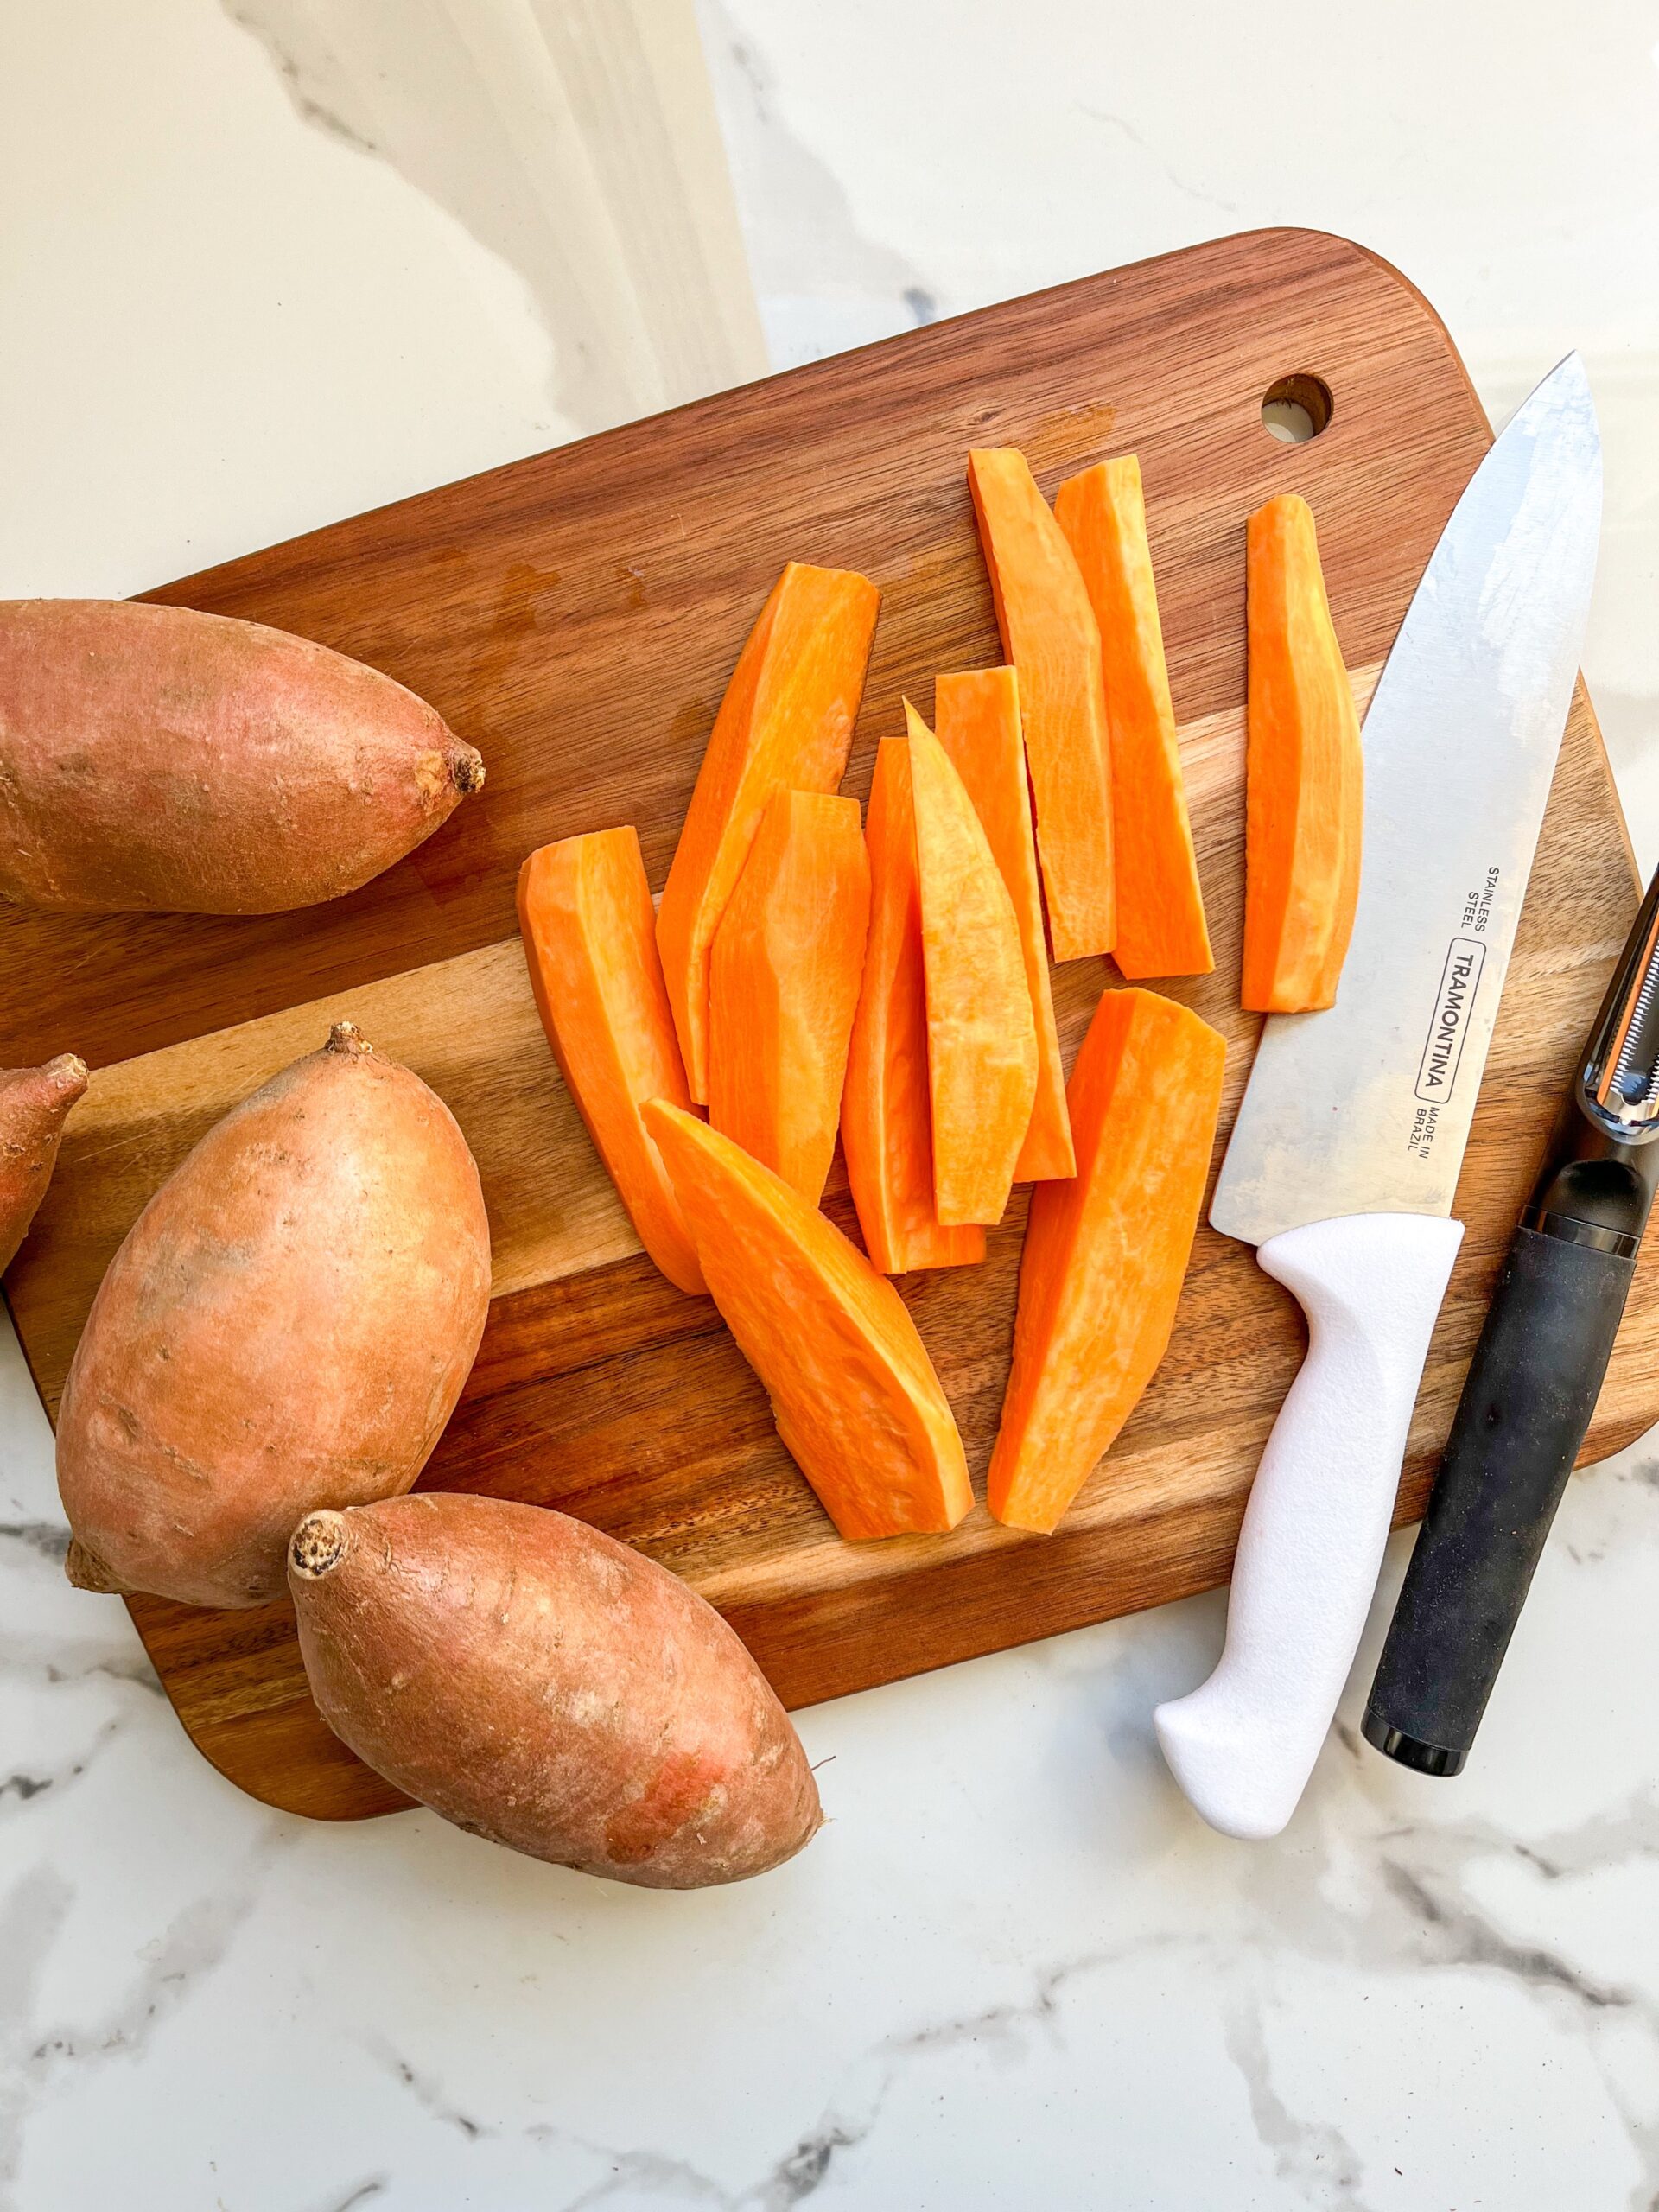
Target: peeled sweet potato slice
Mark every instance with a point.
(1304, 805)
(1050, 634)
(589, 932)
(853, 1390)
(982, 1034)
(1160, 923)
(886, 1120)
(785, 724)
(1106, 1254)
(977, 719)
(784, 983)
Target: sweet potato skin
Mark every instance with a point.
(287, 1324)
(154, 757)
(547, 1687)
(34, 1104)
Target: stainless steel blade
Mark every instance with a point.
(1366, 1109)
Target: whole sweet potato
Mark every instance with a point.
(544, 1686)
(287, 1324)
(156, 757)
(34, 1104)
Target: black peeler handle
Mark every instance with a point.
(1521, 1419)
(1532, 1384)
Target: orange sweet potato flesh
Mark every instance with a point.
(1050, 634)
(785, 724)
(1305, 806)
(1106, 1254)
(1160, 923)
(853, 1391)
(982, 1034)
(784, 979)
(887, 1129)
(589, 933)
(977, 722)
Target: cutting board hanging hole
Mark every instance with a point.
(1295, 409)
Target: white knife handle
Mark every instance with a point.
(1243, 1744)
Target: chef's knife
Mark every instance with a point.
(1344, 1161)
(1532, 1385)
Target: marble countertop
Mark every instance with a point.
(268, 262)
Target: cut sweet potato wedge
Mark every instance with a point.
(976, 719)
(853, 1390)
(1106, 1254)
(886, 1119)
(981, 1035)
(585, 914)
(1160, 923)
(1050, 634)
(1304, 805)
(785, 724)
(784, 979)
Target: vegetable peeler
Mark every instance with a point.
(1532, 1384)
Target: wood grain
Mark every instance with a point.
(577, 615)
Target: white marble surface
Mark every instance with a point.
(1013, 1971)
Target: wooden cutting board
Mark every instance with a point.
(577, 615)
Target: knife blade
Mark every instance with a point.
(1344, 1161)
